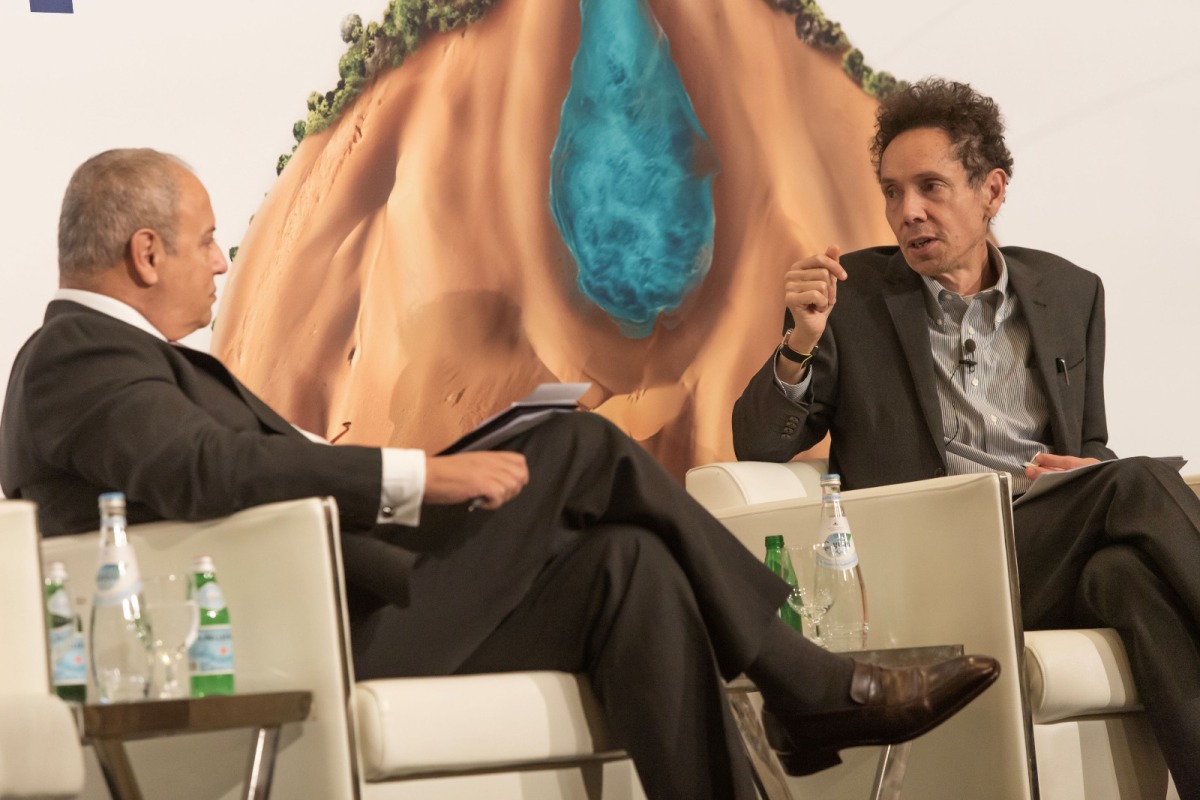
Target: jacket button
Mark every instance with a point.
(939, 473)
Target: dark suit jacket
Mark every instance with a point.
(873, 388)
(96, 405)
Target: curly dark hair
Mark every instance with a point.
(972, 122)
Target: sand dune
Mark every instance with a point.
(405, 278)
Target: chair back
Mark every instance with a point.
(25, 663)
(279, 566)
(39, 746)
(939, 565)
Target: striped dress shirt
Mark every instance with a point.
(994, 413)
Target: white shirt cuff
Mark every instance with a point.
(403, 486)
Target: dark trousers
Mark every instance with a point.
(1119, 546)
(602, 565)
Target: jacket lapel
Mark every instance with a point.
(906, 304)
(266, 415)
(1048, 344)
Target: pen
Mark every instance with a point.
(1060, 364)
(476, 503)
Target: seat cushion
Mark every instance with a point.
(410, 726)
(1078, 673)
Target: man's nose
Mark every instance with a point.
(912, 207)
(220, 264)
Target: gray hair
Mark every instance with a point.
(111, 196)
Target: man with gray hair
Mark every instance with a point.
(948, 355)
(584, 556)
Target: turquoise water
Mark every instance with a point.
(631, 170)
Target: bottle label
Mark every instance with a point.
(118, 577)
(838, 552)
(66, 649)
(210, 597)
(59, 604)
(212, 654)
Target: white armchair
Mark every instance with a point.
(515, 735)
(40, 754)
(945, 547)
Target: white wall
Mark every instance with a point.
(1100, 99)
(218, 83)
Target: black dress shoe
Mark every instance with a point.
(893, 706)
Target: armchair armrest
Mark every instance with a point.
(724, 485)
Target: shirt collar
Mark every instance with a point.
(934, 289)
(110, 306)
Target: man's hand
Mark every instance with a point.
(1048, 462)
(810, 292)
(495, 476)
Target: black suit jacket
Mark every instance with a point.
(95, 404)
(873, 387)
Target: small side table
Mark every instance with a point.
(108, 727)
(893, 759)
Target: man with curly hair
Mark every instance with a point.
(966, 357)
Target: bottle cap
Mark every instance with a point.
(775, 541)
(202, 564)
(56, 571)
(112, 502)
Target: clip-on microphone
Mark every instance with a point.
(968, 351)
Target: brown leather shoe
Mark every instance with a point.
(894, 705)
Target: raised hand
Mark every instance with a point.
(810, 292)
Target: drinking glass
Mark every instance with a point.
(811, 597)
(175, 621)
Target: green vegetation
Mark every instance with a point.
(818, 31)
(380, 46)
(375, 48)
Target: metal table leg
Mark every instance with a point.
(889, 775)
(261, 770)
(769, 776)
(118, 772)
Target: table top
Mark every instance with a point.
(152, 718)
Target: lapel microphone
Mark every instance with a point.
(968, 353)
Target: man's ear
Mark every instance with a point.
(146, 253)
(995, 184)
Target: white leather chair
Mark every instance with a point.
(515, 735)
(40, 754)
(1063, 722)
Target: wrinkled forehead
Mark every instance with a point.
(917, 153)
